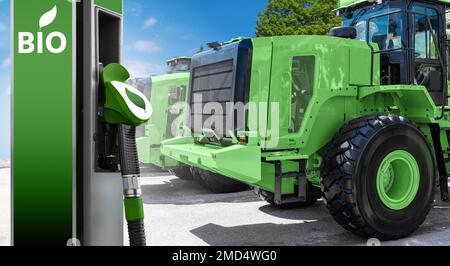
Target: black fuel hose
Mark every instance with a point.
(129, 166)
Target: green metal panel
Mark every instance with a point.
(112, 5)
(358, 74)
(42, 124)
(217, 159)
(333, 82)
(342, 92)
(413, 102)
(347, 3)
(271, 83)
(260, 81)
(159, 124)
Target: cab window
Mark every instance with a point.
(385, 30)
(425, 46)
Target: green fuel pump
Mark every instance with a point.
(126, 108)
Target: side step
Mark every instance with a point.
(302, 183)
(443, 174)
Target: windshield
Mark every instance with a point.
(386, 31)
(179, 65)
(182, 67)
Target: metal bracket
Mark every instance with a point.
(443, 174)
(302, 183)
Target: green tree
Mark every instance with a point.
(297, 17)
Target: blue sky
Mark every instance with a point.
(154, 31)
(5, 89)
(158, 30)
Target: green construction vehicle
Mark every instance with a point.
(168, 99)
(167, 90)
(360, 117)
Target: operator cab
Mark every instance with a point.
(411, 40)
(179, 65)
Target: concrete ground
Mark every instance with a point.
(5, 207)
(182, 213)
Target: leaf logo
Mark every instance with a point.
(48, 18)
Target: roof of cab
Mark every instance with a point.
(349, 3)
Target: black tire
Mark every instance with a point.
(220, 184)
(350, 168)
(313, 194)
(182, 172)
(196, 173)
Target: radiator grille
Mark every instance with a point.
(220, 79)
(211, 83)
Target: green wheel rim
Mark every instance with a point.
(398, 180)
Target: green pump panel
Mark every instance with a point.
(61, 193)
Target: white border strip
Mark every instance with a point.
(74, 120)
(12, 121)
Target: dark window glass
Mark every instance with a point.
(425, 46)
(302, 89)
(386, 31)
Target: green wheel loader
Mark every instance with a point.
(167, 91)
(168, 99)
(361, 115)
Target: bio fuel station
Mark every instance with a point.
(74, 158)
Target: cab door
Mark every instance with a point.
(292, 84)
(428, 53)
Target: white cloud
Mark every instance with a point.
(142, 69)
(134, 9)
(146, 46)
(150, 22)
(8, 91)
(6, 62)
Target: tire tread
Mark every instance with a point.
(340, 162)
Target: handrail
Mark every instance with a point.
(435, 39)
